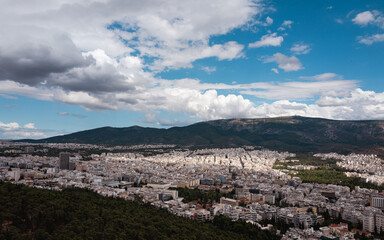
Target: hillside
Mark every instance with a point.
(295, 134)
(28, 213)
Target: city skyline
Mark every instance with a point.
(68, 66)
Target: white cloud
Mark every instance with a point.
(364, 18)
(300, 90)
(339, 21)
(13, 130)
(104, 55)
(9, 126)
(357, 104)
(208, 69)
(285, 24)
(370, 17)
(267, 41)
(269, 21)
(371, 39)
(338, 99)
(184, 58)
(29, 126)
(190, 96)
(353, 104)
(286, 63)
(300, 48)
(40, 39)
(275, 70)
(323, 76)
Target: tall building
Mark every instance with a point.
(379, 219)
(377, 201)
(369, 221)
(64, 160)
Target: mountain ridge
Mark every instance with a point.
(293, 133)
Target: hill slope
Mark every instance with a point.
(285, 133)
(28, 213)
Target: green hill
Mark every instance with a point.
(295, 134)
(28, 213)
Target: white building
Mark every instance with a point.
(368, 221)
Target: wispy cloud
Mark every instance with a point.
(323, 77)
(285, 24)
(7, 96)
(208, 69)
(300, 48)
(71, 115)
(339, 21)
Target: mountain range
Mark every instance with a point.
(294, 134)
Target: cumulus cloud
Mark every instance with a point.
(269, 21)
(369, 17)
(13, 130)
(364, 18)
(191, 97)
(300, 48)
(357, 104)
(286, 63)
(352, 104)
(105, 55)
(50, 39)
(30, 55)
(267, 41)
(184, 58)
(368, 40)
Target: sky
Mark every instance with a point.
(67, 65)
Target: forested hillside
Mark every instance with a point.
(27, 213)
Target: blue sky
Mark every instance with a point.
(68, 66)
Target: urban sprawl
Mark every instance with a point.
(254, 190)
